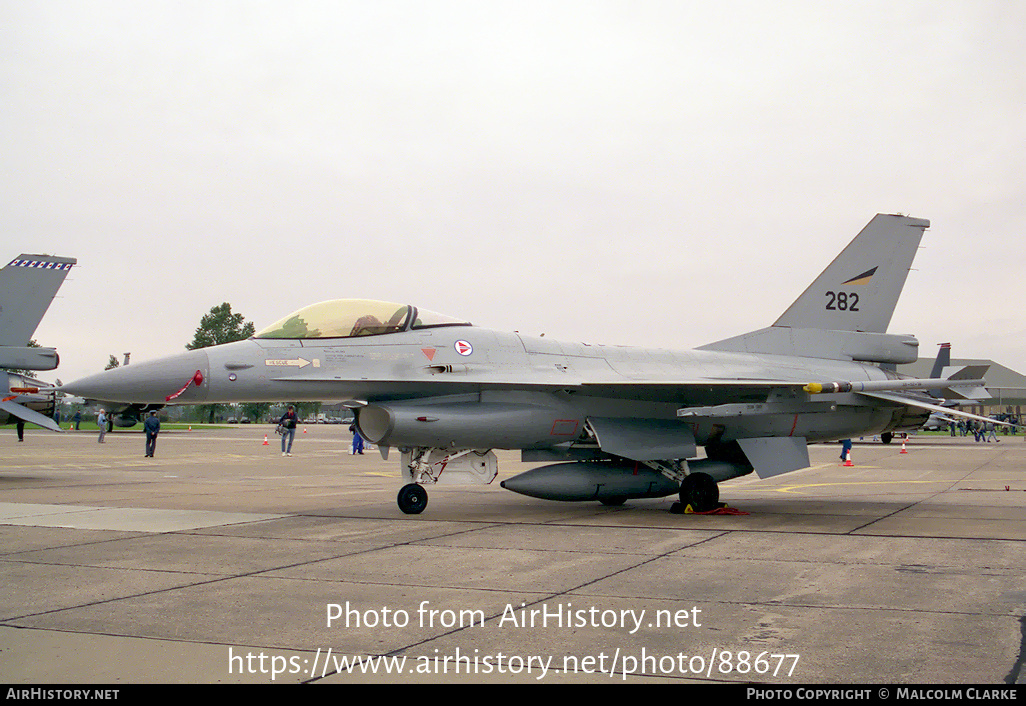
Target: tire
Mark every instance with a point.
(412, 499)
(700, 491)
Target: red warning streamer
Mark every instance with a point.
(197, 379)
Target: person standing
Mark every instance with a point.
(77, 418)
(845, 449)
(288, 422)
(101, 421)
(357, 440)
(152, 428)
(21, 429)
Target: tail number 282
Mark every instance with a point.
(842, 301)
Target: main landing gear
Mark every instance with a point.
(412, 498)
(700, 491)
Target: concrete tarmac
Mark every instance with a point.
(220, 561)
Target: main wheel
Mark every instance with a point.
(412, 499)
(700, 491)
(886, 437)
(614, 501)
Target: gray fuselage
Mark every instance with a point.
(554, 385)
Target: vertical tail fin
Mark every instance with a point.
(27, 286)
(844, 313)
(859, 289)
(943, 360)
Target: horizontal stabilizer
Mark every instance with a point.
(29, 415)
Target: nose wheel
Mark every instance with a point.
(412, 499)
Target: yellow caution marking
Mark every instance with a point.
(795, 488)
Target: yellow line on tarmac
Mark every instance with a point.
(792, 488)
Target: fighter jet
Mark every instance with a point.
(613, 423)
(27, 286)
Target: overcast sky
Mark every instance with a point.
(646, 173)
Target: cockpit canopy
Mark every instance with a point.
(350, 318)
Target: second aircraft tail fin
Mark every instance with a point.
(27, 286)
(943, 360)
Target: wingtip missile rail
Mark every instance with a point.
(816, 388)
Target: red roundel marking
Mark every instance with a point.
(463, 347)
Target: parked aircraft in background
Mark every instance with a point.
(942, 368)
(613, 422)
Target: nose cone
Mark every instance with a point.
(154, 382)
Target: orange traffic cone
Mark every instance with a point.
(190, 427)
(847, 459)
(903, 447)
(304, 430)
(265, 441)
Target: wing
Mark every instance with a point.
(29, 415)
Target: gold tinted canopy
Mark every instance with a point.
(350, 318)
